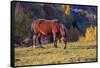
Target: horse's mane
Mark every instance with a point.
(48, 20)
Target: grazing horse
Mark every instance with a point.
(46, 27)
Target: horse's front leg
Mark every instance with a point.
(64, 42)
(54, 40)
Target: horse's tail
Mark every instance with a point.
(32, 30)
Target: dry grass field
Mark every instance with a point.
(75, 52)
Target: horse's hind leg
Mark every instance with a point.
(65, 43)
(55, 41)
(34, 41)
(39, 40)
(40, 43)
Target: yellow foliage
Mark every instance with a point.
(90, 34)
(83, 11)
(66, 9)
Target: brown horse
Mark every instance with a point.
(48, 27)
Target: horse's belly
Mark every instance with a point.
(49, 28)
(46, 31)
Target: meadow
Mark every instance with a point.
(75, 52)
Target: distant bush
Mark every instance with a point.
(73, 34)
(75, 19)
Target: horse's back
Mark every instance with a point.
(46, 26)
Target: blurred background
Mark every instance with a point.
(80, 20)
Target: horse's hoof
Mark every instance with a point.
(64, 47)
(55, 46)
(34, 46)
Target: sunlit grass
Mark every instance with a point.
(75, 52)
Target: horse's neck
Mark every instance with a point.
(63, 30)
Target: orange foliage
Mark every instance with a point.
(90, 34)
